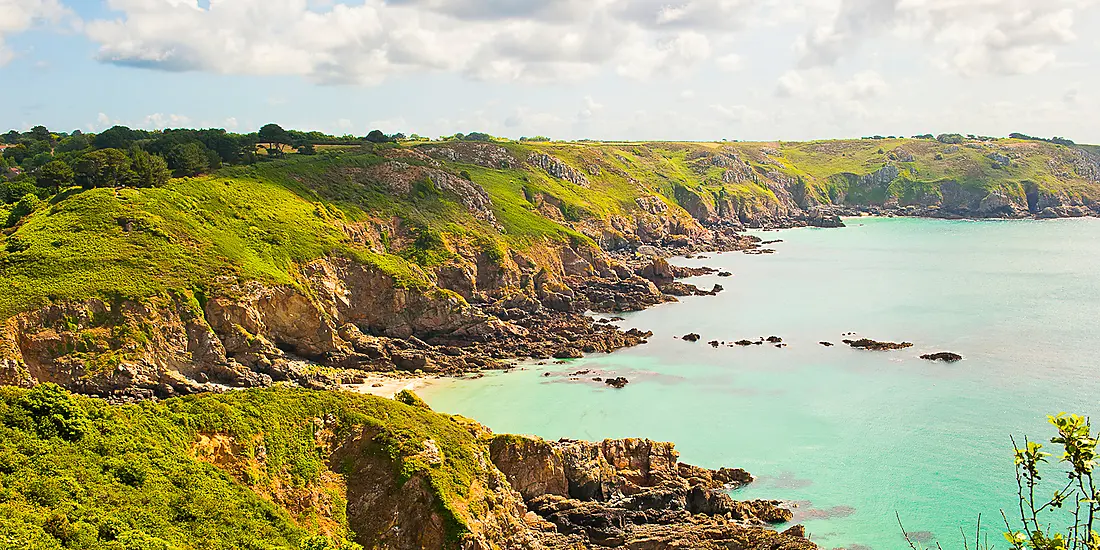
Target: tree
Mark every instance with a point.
(104, 168)
(149, 170)
(54, 176)
(16, 153)
(76, 142)
(11, 138)
(12, 191)
(376, 136)
(273, 135)
(41, 133)
(116, 137)
(188, 159)
(953, 139)
(307, 149)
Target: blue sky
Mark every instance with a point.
(611, 69)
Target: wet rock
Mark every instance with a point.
(618, 382)
(569, 353)
(774, 340)
(944, 356)
(826, 344)
(714, 343)
(796, 531)
(868, 344)
(725, 274)
(744, 342)
(692, 337)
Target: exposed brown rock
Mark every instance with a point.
(868, 344)
(945, 356)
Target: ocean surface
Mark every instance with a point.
(852, 436)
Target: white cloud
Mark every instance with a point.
(18, 16)
(368, 41)
(729, 62)
(738, 113)
(667, 58)
(976, 37)
(160, 121)
(590, 109)
(819, 85)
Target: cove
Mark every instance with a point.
(852, 436)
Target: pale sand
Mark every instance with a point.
(390, 385)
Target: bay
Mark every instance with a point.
(853, 436)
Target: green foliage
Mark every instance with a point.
(116, 137)
(55, 175)
(149, 170)
(104, 168)
(12, 191)
(411, 399)
(53, 413)
(188, 159)
(273, 134)
(26, 206)
(128, 477)
(1079, 497)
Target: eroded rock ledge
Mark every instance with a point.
(633, 493)
(341, 320)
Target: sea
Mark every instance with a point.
(855, 440)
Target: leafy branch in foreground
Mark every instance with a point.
(1078, 496)
(1077, 500)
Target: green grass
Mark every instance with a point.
(144, 242)
(78, 473)
(261, 222)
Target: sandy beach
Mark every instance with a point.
(388, 386)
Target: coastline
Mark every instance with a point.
(389, 386)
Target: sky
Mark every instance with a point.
(568, 69)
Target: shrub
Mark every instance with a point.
(411, 399)
(54, 413)
(26, 206)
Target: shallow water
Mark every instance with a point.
(854, 436)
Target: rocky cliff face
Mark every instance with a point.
(462, 487)
(341, 319)
(633, 493)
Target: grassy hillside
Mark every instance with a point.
(78, 473)
(259, 222)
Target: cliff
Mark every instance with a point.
(443, 257)
(286, 468)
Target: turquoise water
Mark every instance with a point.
(853, 436)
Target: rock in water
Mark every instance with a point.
(826, 344)
(744, 342)
(774, 339)
(618, 382)
(691, 337)
(945, 356)
(868, 344)
(714, 343)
